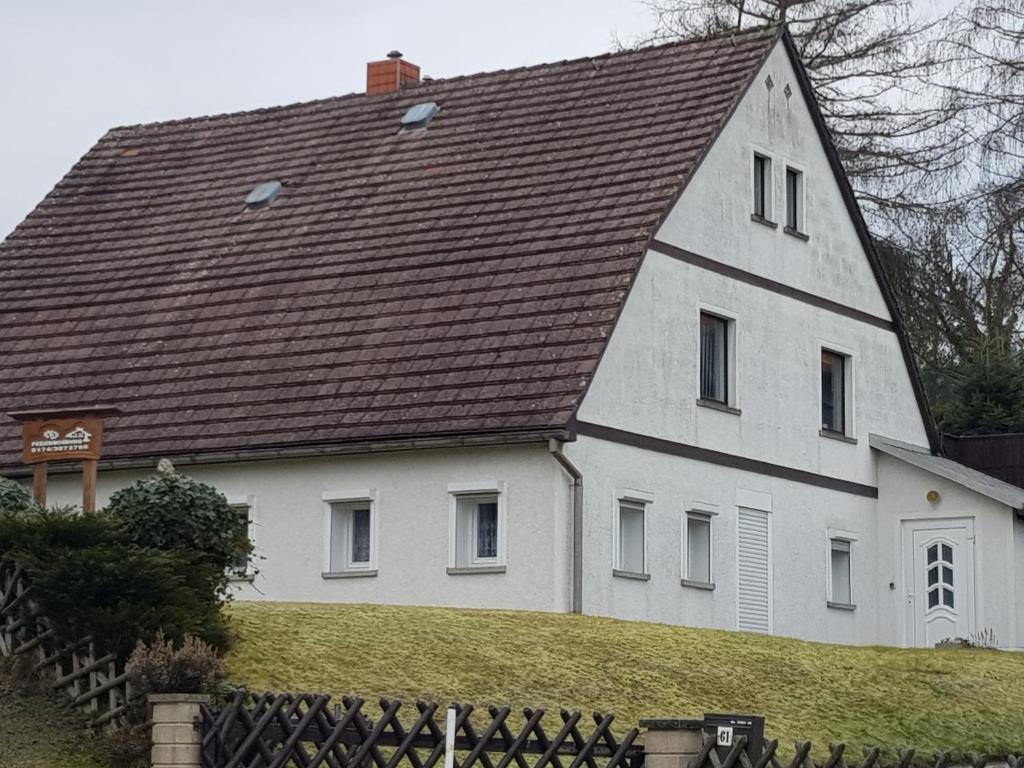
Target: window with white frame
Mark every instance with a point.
(241, 565)
(477, 529)
(697, 565)
(841, 573)
(631, 543)
(794, 200)
(762, 187)
(351, 536)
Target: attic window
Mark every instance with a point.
(263, 195)
(418, 115)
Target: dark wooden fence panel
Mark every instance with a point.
(711, 756)
(306, 731)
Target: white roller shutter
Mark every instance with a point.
(753, 604)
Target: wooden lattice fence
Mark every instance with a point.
(97, 686)
(304, 730)
(711, 756)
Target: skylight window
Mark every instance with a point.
(264, 194)
(418, 115)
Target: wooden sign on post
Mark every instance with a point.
(71, 434)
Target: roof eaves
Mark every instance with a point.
(979, 482)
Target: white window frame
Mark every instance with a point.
(850, 538)
(646, 500)
(249, 502)
(769, 186)
(732, 357)
(349, 496)
(704, 511)
(849, 395)
(462, 490)
(801, 197)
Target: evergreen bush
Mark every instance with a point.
(14, 497)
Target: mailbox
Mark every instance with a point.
(726, 729)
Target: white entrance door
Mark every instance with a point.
(938, 571)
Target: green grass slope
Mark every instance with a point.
(36, 733)
(962, 700)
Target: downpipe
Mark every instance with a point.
(555, 447)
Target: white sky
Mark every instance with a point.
(71, 69)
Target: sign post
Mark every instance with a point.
(70, 434)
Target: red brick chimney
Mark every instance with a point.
(390, 75)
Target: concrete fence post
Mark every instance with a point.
(670, 743)
(176, 734)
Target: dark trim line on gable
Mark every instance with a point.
(807, 89)
(740, 275)
(698, 161)
(672, 448)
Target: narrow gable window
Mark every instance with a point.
(698, 548)
(714, 352)
(833, 392)
(762, 187)
(841, 592)
(351, 536)
(630, 555)
(794, 201)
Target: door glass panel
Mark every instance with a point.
(947, 575)
(933, 553)
(933, 598)
(947, 553)
(947, 598)
(933, 577)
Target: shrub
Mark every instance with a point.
(14, 497)
(193, 667)
(40, 530)
(118, 593)
(170, 511)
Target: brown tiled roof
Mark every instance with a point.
(460, 280)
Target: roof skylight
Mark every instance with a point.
(264, 194)
(418, 115)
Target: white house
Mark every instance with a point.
(605, 336)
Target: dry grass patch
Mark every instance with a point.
(962, 700)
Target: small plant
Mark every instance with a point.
(986, 638)
(14, 497)
(159, 667)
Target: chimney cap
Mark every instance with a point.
(394, 54)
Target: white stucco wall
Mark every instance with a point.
(800, 518)
(648, 379)
(902, 491)
(413, 510)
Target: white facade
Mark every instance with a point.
(794, 512)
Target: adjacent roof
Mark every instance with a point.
(456, 281)
(976, 481)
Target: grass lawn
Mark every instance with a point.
(36, 733)
(961, 700)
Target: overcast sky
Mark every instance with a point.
(71, 69)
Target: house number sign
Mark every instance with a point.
(74, 434)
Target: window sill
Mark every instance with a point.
(351, 574)
(717, 406)
(763, 220)
(796, 233)
(841, 606)
(468, 570)
(837, 436)
(631, 575)
(705, 585)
